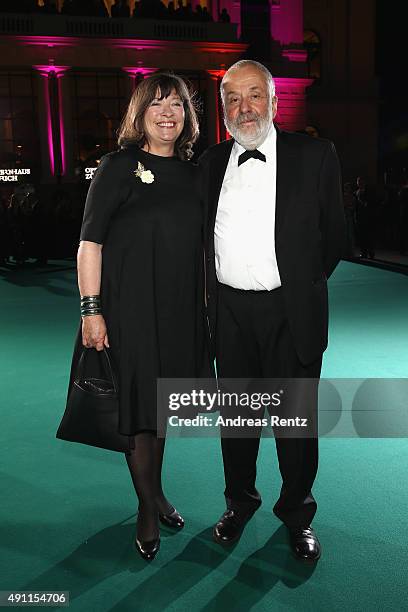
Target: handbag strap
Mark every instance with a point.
(81, 366)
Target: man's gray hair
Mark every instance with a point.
(254, 64)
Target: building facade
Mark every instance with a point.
(343, 102)
(65, 80)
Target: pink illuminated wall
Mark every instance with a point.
(287, 21)
(286, 18)
(234, 10)
(291, 94)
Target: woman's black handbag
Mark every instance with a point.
(92, 412)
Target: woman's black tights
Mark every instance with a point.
(145, 465)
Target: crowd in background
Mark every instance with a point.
(376, 218)
(144, 9)
(37, 226)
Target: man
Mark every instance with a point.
(274, 234)
(403, 217)
(364, 204)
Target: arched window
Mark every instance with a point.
(313, 46)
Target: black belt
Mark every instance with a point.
(224, 287)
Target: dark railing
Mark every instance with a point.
(61, 25)
(185, 30)
(94, 27)
(16, 24)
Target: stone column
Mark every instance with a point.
(51, 122)
(66, 127)
(216, 130)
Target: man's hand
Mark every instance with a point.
(94, 333)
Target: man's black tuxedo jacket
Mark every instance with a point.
(309, 231)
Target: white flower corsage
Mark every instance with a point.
(146, 176)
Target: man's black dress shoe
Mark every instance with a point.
(230, 526)
(148, 550)
(304, 544)
(174, 520)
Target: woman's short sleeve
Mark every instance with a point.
(104, 197)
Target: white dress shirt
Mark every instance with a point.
(244, 235)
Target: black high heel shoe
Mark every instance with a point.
(174, 520)
(148, 550)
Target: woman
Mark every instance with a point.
(140, 277)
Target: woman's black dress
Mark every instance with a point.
(152, 287)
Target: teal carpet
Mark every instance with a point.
(67, 511)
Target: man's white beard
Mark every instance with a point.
(253, 139)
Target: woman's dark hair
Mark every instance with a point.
(162, 84)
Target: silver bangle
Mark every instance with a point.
(90, 305)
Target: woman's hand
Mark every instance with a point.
(94, 333)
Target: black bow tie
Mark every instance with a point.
(248, 154)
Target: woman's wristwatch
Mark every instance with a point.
(90, 305)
